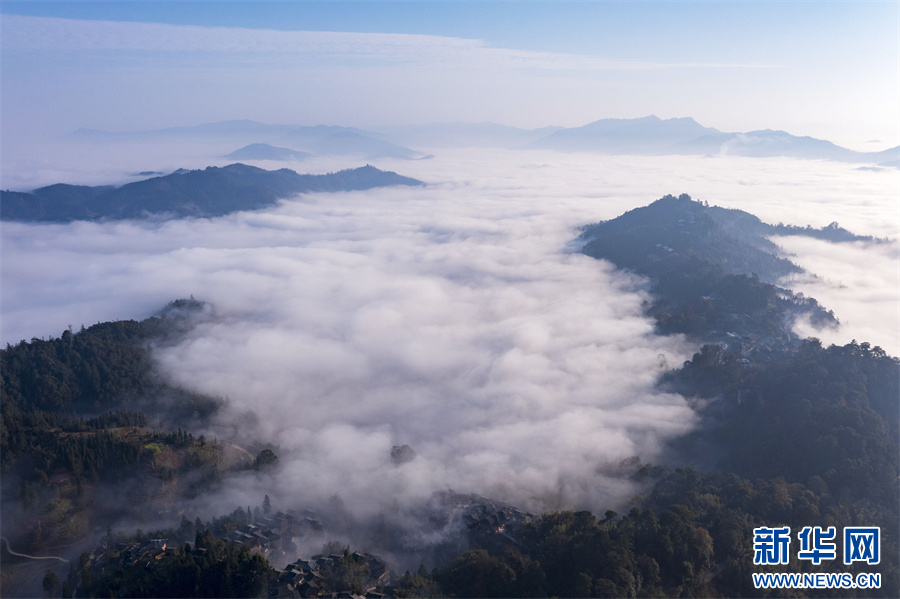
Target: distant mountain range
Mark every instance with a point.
(341, 141)
(267, 152)
(643, 136)
(652, 135)
(462, 135)
(213, 191)
(646, 135)
(321, 139)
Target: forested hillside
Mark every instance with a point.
(97, 369)
(713, 270)
(86, 413)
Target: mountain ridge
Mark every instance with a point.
(713, 270)
(213, 191)
(685, 136)
(649, 135)
(264, 151)
(317, 139)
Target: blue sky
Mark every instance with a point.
(825, 69)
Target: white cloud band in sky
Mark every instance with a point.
(61, 74)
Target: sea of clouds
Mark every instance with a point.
(458, 318)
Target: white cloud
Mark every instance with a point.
(43, 34)
(62, 74)
(859, 281)
(450, 318)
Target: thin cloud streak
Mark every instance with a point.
(43, 34)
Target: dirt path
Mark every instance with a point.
(11, 552)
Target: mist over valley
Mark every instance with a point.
(458, 318)
(449, 300)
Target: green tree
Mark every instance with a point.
(50, 582)
(265, 459)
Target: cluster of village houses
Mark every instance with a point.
(310, 577)
(133, 553)
(489, 518)
(274, 533)
(266, 535)
(483, 520)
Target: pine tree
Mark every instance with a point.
(50, 582)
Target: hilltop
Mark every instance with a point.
(262, 151)
(714, 272)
